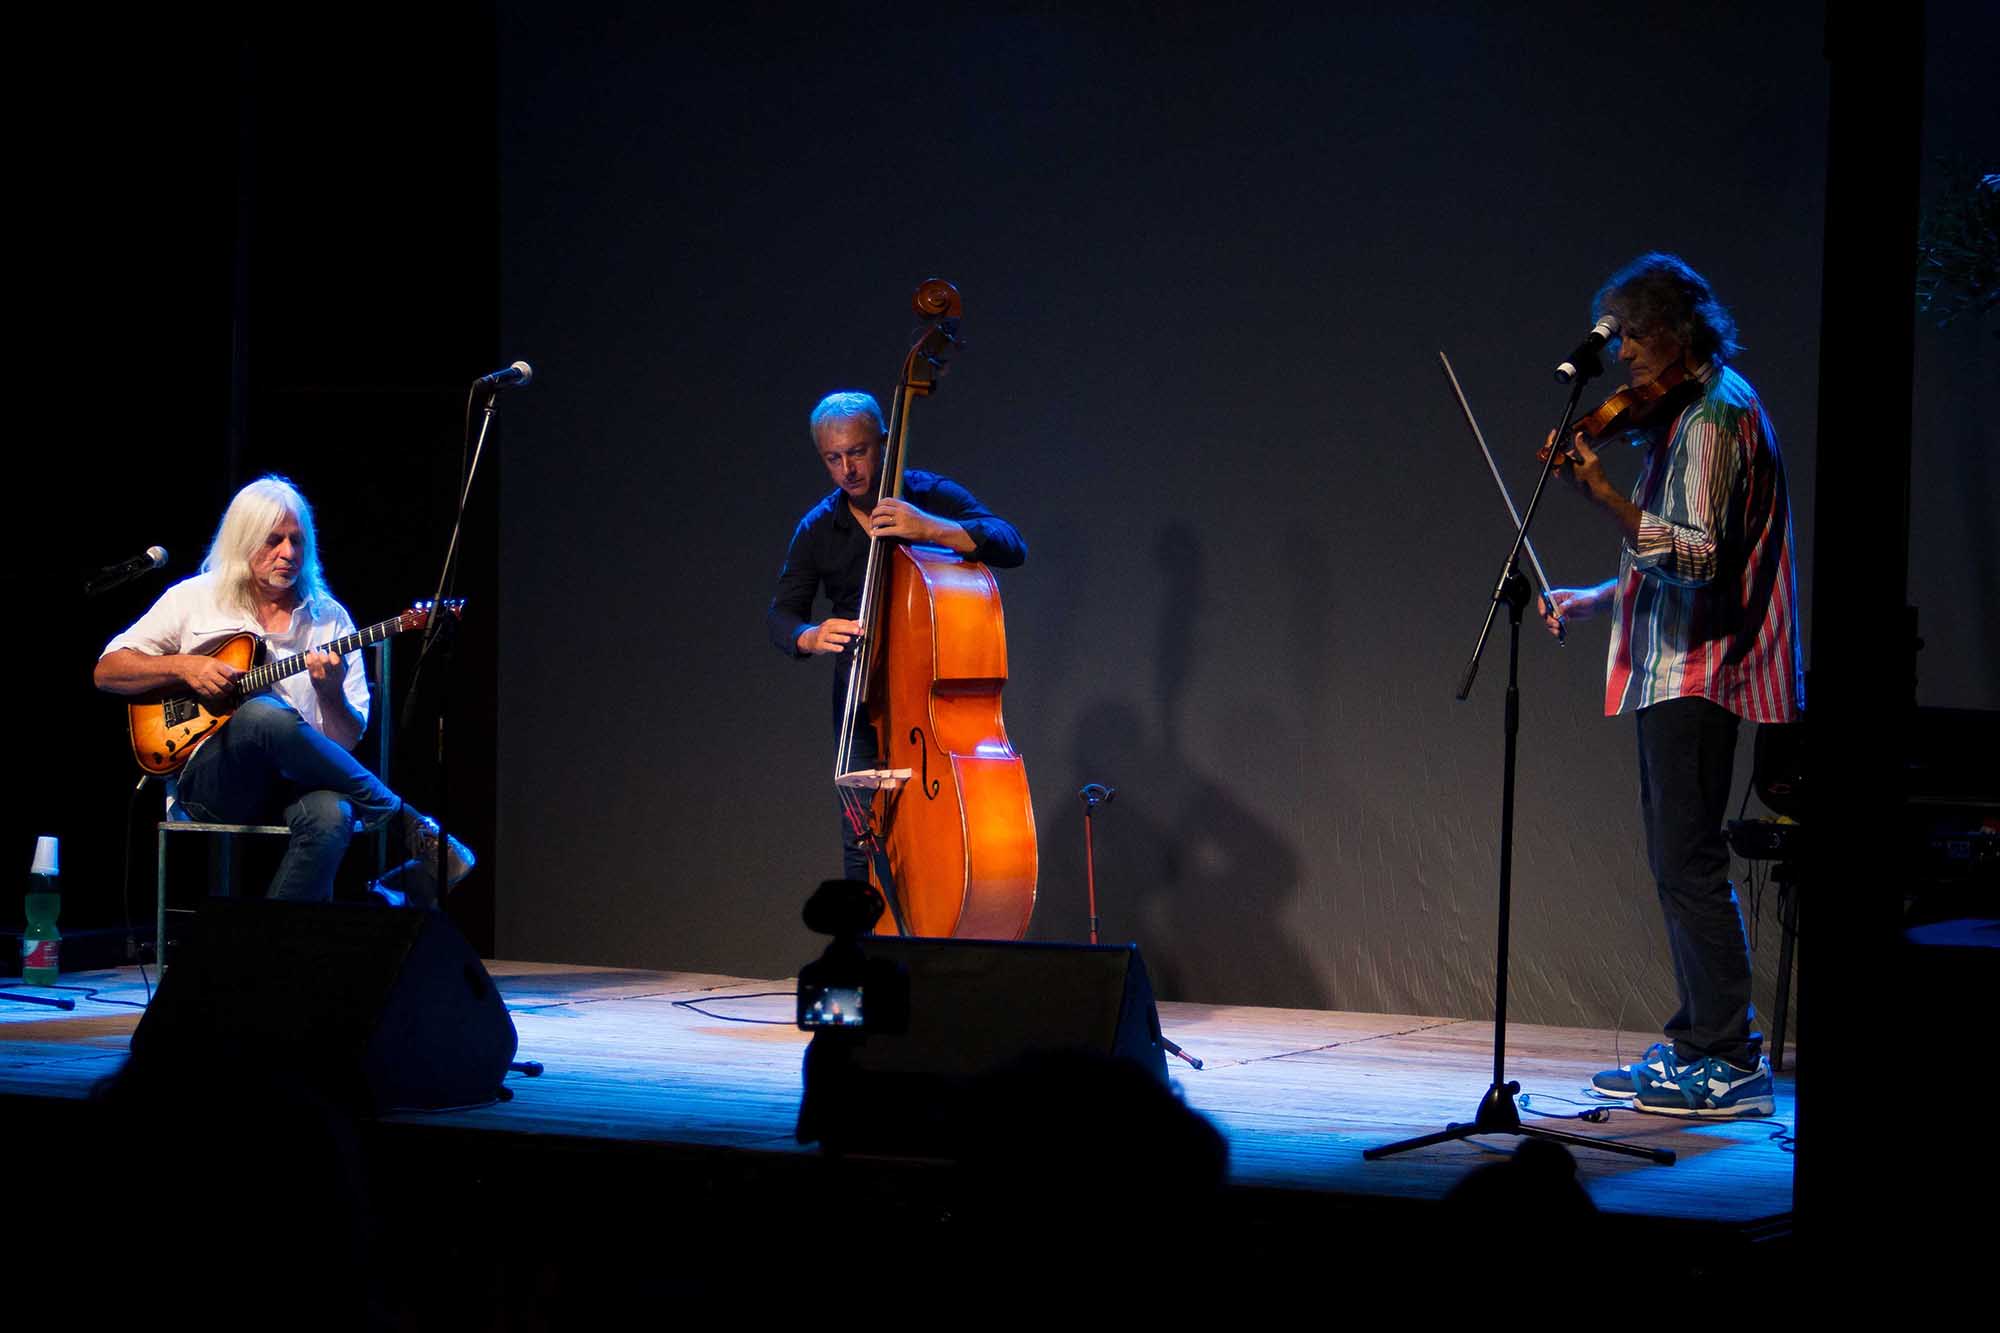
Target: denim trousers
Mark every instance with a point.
(269, 765)
(1687, 755)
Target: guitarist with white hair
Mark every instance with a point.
(285, 751)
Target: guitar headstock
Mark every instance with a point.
(419, 614)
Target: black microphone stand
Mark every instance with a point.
(1498, 1112)
(437, 634)
(1093, 795)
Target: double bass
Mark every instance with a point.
(947, 806)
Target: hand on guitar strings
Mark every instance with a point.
(209, 677)
(327, 671)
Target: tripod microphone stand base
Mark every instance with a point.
(1176, 1051)
(1498, 1115)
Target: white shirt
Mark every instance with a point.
(190, 617)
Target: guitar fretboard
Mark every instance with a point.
(270, 673)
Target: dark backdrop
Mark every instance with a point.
(1208, 262)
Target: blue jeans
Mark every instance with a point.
(270, 765)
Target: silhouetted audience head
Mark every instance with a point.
(1074, 1140)
(1537, 1183)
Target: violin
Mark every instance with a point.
(1627, 408)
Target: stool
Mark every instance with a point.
(1778, 773)
(174, 823)
(1769, 840)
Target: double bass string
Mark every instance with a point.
(861, 653)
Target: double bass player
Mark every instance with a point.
(829, 554)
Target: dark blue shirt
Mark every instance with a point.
(830, 549)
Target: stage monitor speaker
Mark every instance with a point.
(379, 1009)
(974, 1006)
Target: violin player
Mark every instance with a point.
(829, 553)
(1704, 634)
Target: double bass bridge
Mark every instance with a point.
(875, 779)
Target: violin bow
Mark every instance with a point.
(1562, 627)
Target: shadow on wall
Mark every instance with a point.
(1184, 868)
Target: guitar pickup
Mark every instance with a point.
(177, 711)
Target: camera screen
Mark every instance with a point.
(831, 1007)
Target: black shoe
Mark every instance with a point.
(410, 884)
(420, 839)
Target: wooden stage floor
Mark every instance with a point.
(1297, 1093)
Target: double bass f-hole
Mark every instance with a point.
(924, 778)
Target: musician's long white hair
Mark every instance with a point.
(245, 524)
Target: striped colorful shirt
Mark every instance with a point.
(1706, 603)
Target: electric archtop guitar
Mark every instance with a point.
(166, 725)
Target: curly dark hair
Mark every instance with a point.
(1660, 291)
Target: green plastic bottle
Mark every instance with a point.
(41, 944)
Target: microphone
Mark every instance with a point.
(1601, 333)
(520, 373)
(112, 576)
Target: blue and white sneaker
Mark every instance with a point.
(1617, 1083)
(1707, 1089)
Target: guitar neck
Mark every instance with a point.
(271, 673)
